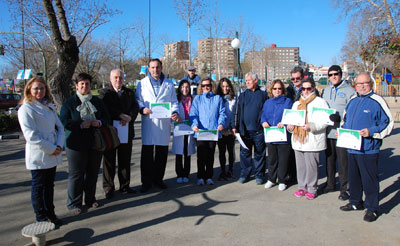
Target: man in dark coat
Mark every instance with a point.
(123, 108)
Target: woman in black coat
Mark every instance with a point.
(80, 115)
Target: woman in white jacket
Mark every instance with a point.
(44, 135)
(308, 141)
(183, 146)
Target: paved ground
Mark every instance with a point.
(227, 213)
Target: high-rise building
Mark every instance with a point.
(178, 50)
(273, 62)
(216, 56)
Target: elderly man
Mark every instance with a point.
(155, 88)
(246, 121)
(123, 107)
(337, 96)
(368, 113)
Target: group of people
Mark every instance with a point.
(215, 109)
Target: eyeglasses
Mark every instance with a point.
(205, 85)
(277, 89)
(38, 88)
(306, 88)
(362, 83)
(298, 78)
(332, 74)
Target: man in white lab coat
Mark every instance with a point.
(155, 88)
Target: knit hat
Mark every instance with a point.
(335, 68)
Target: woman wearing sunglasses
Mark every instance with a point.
(207, 113)
(278, 157)
(308, 141)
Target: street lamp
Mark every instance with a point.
(121, 51)
(236, 45)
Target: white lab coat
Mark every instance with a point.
(43, 131)
(177, 142)
(156, 131)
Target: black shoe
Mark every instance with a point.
(145, 188)
(344, 196)
(351, 207)
(229, 174)
(161, 185)
(328, 190)
(109, 194)
(370, 216)
(128, 190)
(222, 177)
(53, 219)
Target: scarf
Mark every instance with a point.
(86, 109)
(187, 103)
(299, 134)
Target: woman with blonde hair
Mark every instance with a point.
(44, 135)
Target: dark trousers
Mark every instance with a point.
(42, 193)
(363, 176)
(124, 152)
(292, 169)
(256, 140)
(182, 168)
(205, 159)
(278, 160)
(83, 170)
(226, 143)
(152, 167)
(334, 154)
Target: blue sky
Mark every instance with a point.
(309, 24)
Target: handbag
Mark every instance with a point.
(105, 138)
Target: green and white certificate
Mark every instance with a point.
(275, 134)
(294, 117)
(350, 139)
(182, 128)
(321, 115)
(207, 135)
(160, 110)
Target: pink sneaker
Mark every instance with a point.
(300, 193)
(310, 196)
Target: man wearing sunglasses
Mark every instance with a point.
(294, 89)
(337, 95)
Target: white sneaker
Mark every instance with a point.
(179, 180)
(185, 180)
(200, 182)
(269, 184)
(210, 182)
(282, 187)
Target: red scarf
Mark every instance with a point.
(187, 103)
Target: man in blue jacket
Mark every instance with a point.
(246, 120)
(368, 113)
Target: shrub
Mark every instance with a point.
(8, 122)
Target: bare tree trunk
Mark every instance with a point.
(67, 53)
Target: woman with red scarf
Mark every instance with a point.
(183, 146)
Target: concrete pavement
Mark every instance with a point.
(227, 213)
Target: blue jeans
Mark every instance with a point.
(256, 140)
(42, 193)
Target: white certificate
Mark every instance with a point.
(238, 138)
(350, 139)
(160, 110)
(275, 134)
(207, 135)
(294, 117)
(123, 131)
(321, 115)
(182, 128)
